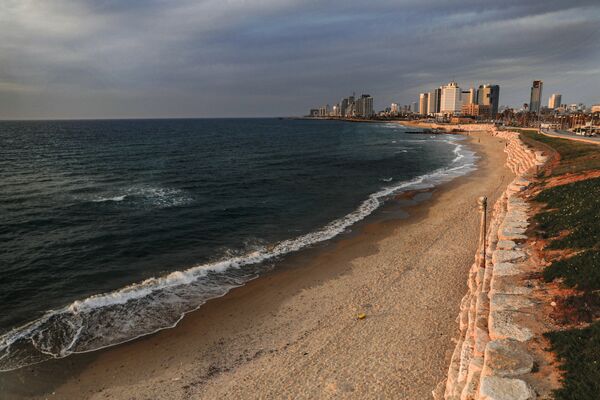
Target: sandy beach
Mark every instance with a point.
(294, 333)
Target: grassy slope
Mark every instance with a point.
(571, 219)
(574, 156)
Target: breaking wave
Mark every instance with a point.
(159, 303)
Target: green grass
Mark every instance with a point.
(574, 207)
(579, 353)
(575, 156)
(571, 220)
(581, 271)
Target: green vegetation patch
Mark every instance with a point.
(572, 217)
(579, 352)
(574, 207)
(574, 156)
(581, 271)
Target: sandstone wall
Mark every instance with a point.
(491, 359)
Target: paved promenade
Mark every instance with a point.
(570, 136)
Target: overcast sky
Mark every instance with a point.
(184, 58)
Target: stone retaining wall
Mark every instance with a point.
(491, 359)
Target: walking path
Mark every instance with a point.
(561, 135)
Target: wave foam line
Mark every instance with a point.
(155, 304)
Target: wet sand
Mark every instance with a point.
(294, 333)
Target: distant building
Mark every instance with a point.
(451, 99)
(324, 111)
(476, 110)
(432, 103)
(364, 106)
(438, 99)
(423, 98)
(350, 110)
(469, 96)
(536, 97)
(596, 108)
(343, 106)
(554, 101)
(368, 99)
(489, 95)
(394, 108)
(314, 112)
(415, 107)
(335, 111)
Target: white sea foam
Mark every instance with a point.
(115, 198)
(459, 154)
(146, 195)
(159, 303)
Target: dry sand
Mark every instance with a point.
(294, 333)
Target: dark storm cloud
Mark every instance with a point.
(279, 57)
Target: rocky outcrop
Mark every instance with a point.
(491, 360)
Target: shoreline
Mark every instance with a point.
(265, 320)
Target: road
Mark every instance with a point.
(571, 136)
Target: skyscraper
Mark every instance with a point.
(368, 101)
(536, 97)
(469, 96)
(432, 104)
(364, 106)
(489, 95)
(438, 95)
(423, 97)
(344, 106)
(554, 101)
(450, 103)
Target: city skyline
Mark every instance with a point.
(89, 59)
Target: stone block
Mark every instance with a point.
(497, 388)
(508, 302)
(506, 245)
(506, 358)
(511, 234)
(508, 285)
(503, 325)
(508, 269)
(501, 256)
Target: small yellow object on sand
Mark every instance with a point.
(361, 316)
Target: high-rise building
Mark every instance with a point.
(368, 100)
(415, 107)
(432, 104)
(450, 103)
(423, 97)
(335, 111)
(324, 111)
(469, 96)
(554, 101)
(536, 97)
(394, 108)
(350, 110)
(489, 95)
(438, 96)
(364, 106)
(343, 106)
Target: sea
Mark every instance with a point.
(115, 229)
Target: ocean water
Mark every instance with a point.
(111, 230)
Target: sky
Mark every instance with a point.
(253, 58)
